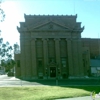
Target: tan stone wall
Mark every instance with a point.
(28, 64)
(93, 45)
(80, 57)
(33, 59)
(70, 57)
(86, 60)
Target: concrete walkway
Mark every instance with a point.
(79, 98)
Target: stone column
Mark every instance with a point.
(45, 55)
(81, 69)
(22, 59)
(70, 56)
(57, 49)
(33, 52)
(75, 57)
(28, 58)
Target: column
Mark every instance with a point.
(33, 52)
(70, 56)
(45, 55)
(81, 69)
(75, 57)
(57, 49)
(22, 58)
(28, 59)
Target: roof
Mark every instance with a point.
(32, 21)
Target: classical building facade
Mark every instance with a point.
(51, 47)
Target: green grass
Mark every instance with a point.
(45, 92)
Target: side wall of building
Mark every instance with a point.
(17, 66)
(93, 45)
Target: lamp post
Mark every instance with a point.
(56, 76)
(46, 73)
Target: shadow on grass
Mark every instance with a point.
(64, 82)
(75, 83)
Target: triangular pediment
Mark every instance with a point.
(50, 26)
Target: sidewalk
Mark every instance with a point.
(79, 98)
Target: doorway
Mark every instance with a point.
(52, 72)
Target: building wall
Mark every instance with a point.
(93, 45)
(64, 52)
(86, 61)
(44, 49)
(49, 46)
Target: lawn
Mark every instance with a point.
(45, 92)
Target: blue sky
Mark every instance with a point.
(88, 12)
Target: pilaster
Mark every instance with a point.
(45, 52)
(33, 52)
(28, 59)
(70, 56)
(57, 49)
(75, 57)
(23, 60)
(81, 69)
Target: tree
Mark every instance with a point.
(6, 50)
(2, 14)
(6, 55)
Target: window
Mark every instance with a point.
(52, 60)
(63, 62)
(40, 63)
(18, 63)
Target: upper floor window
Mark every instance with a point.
(63, 62)
(40, 63)
(18, 63)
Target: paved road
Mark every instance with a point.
(79, 98)
(9, 81)
(12, 81)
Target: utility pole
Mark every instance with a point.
(57, 75)
(74, 5)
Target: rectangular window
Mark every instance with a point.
(18, 63)
(40, 63)
(63, 62)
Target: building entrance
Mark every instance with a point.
(52, 72)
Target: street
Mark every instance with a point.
(12, 81)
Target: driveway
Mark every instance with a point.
(79, 98)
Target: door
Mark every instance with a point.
(52, 72)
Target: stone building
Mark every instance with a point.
(94, 46)
(51, 47)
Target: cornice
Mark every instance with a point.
(29, 16)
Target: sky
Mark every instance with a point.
(88, 12)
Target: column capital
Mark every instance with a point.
(57, 39)
(70, 39)
(45, 39)
(33, 39)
